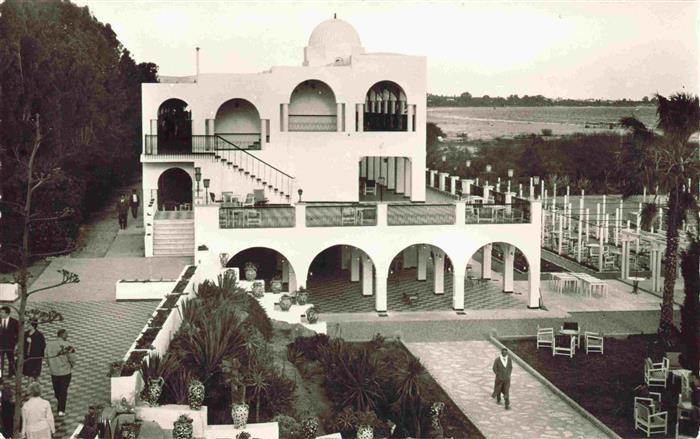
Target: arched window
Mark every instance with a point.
(238, 122)
(174, 127)
(312, 107)
(385, 108)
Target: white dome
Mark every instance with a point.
(334, 33)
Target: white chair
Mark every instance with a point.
(647, 419)
(568, 349)
(370, 187)
(545, 337)
(249, 200)
(594, 342)
(684, 410)
(656, 374)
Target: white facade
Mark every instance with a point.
(325, 129)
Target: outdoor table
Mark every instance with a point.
(635, 283)
(571, 333)
(683, 374)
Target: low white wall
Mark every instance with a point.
(166, 415)
(143, 289)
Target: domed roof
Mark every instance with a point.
(334, 33)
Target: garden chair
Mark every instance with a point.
(594, 342)
(249, 200)
(656, 374)
(348, 216)
(545, 337)
(647, 419)
(568, 349)
(370, 187)
(684, 409)
(571, 328)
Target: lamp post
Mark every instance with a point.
(444, 159)
(488, 173)
(300, 192)
(380, 181)
(206, 190)
(197, 177)
(510, 176)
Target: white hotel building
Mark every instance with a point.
(334, 152)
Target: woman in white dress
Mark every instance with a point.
(37, 418)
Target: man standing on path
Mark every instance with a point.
(9, 334)
(122, 211)
(502, 367)
(134, 203)
(61, 357)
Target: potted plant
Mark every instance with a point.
(302, 296)
(234, 378)
(182, 428)
(250, 269)
(155, 388)
(258, 289)
(309, 427)
(115, 368)
(276, 284)
(365, 432)
(195, 394)
(129, 430)
(312, 315)
(223, 259)
(285, 302)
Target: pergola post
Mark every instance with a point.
(600, 250)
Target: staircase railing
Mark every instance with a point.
(256, 168)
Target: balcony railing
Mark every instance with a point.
(197, 144)
(241, 140)
(256, 217)
(495, 214)
(341, 215)
(420, 214)
(312, 122)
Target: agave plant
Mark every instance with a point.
(257, 382)
(355, 380)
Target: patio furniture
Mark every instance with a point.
(370, 187)
(410, 299)
(348, 216)
(656, 374)
(674, 361)
(684, 409)
(249, 200)
(259, 195)
(594, 342)
(486, 215)
(571, 329)
(560, 347)
(545, 337)
(647, 419)
(253, 218)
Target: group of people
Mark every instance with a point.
(60, 356)
(123, 206)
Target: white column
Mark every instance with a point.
(423, 251)
(560, 232)
(339, 117)
(391, 180)
(467, 186)
(360, 110)
(263, 133)
(154, 127)
(380, 298)
(408, 173)
(292, 286)
(410, 118)
(285, 270)
(384, 166)
(453, 184)
(367, 275)
(443, 180)
(486, 261)
(458, 287)
(363, 167)
(600, 249)
(354, 265)
(344, 257)
(371, 171)
(400, 175)
(410, 257)
(508, 259)
(439, 271)
(433, 176)
(285, 117)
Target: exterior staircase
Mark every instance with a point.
(173, 233)
(246, 172)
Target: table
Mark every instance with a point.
(590, 283)
(683, 374)
(562, 279)
(572, 333)
(635, 283)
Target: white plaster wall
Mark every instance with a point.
(325, 163)
(244, 119)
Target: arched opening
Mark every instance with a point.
(312, 107)
(497, 277)
(174, 190)
(174, 127)
(420, 279)
(270, 265)
(385, 108)
(341, 279)
(238, 121)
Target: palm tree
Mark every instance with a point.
(667, 162)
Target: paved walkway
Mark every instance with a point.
(463, 369)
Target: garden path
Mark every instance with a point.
(463, 369)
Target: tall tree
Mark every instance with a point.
(668, 163)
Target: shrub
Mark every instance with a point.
(352, 378)
(259, 319)
(278, 397)
(289, 428)
(309, 346)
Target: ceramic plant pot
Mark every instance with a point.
(195, 394)
(258, 290)
(250, 271)
(309, 428)
(365, 432)
(182, 428)
(276, 285)
(239, 414)
(285, 302)
(155, 388)
(302, 297)
(312, 315)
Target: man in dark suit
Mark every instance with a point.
(134, 202)
(502, 367)
(9, 334)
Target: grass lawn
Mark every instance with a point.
(602, 384)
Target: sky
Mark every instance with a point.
(582, 49)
